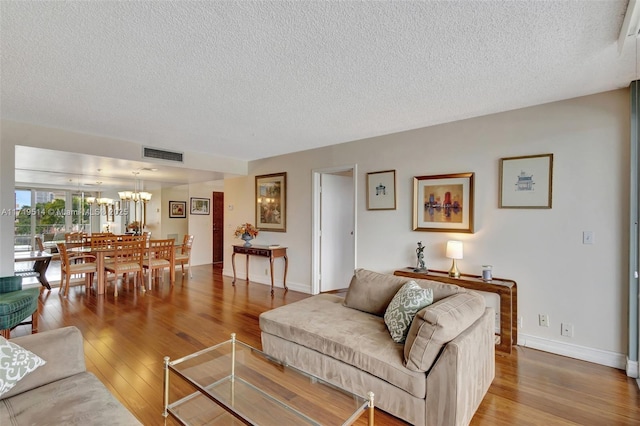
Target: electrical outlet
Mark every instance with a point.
(588, 237)
(520, 322)
(567, 329)
(266, 271)
(543, 320)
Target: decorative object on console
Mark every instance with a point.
(381, 190)
(486, 273)
(420, 266)
(443, 203)
(525, 182)
(454, 251)
(246, 232)
(271, 202)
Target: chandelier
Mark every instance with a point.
(100, 200)
(137, 196)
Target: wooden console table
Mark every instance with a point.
(262, 251)
(506, 289)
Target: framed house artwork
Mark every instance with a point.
(200, 205)
(271, 202)
(443, 203)
(177, 209)
(381, 190)
(526, 182)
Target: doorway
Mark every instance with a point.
(218, 227)
(334, 228)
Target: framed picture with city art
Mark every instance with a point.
(381, 190)
(177, 209)
(271, 202)
(200, 205)
(525, 182)
(443, 203)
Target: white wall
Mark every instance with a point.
(541, 250)
(174, 225)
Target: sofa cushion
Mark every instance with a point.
(403, 307)
(15, 363)
(81, 399)
(61, 347)
(372, 292)
(324, 324)
(437, 324)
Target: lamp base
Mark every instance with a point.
(454, 272)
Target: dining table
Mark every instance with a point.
(101, 254)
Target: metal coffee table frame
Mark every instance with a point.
(228, 387)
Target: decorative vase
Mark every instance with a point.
(247, 237)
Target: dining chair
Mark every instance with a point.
(160, 255)
(184, 257)
(78, 264)
(17, 304)
(127, 259)
(39, 243)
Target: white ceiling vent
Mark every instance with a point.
(161, 154)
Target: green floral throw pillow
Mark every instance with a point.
(404, 306)
(15, 363)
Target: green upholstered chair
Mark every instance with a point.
(16, 305)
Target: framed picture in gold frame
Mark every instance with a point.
(271, 202)
(443, 203)
(526, 182)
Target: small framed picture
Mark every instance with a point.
(200, 205)
(381, 190)
(271, 202)
(443, 203)
(525, 182)
(177, 209)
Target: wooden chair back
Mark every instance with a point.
(102, 241)
(39, 243)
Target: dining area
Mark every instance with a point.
(101, 261)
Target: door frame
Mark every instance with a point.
(315, 220)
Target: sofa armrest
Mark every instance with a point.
(461, 376)
(63, 351)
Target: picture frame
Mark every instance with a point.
(443, 203)
(526, 182)
(200, 205)
(381, 190)
(177, 209)
(271, 202)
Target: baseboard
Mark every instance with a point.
(632, 368)
(598, 356)
(266, 280)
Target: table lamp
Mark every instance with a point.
(454, 251)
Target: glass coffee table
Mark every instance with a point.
(237, 384)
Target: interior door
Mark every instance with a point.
(218, 227)
(337, 254)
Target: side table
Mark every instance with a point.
(506, 289)
(262, 251)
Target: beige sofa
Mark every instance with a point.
(60, 392)
(438, 376)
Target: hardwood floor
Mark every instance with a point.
(126, 339)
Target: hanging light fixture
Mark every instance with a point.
(137, 196)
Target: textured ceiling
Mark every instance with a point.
(256, 79)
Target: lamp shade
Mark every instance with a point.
(454, 249)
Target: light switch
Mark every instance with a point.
(587, 237)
